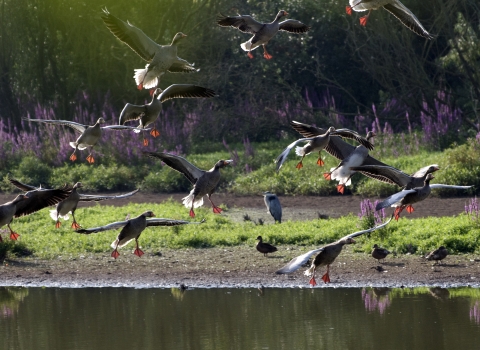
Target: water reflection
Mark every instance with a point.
(376, 299)
(343, 318)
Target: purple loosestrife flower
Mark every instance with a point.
(374, 302)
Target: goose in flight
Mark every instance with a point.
(396, 8)
(204, 181)
(394, 176)
(131, 229)
(406, 198)
(262, 32)
(160, 58)
(28, 203)
(317, 144)
(326, 255)
(69, 204)
(148, 114)
(89, 134)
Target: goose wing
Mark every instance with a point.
(131, 112)
(408, 19)
(185, 91)
(39, 199)
(112, 226)
(293, 26)
(283, 156)
(244, 23)
(353, 135)
(385, 173)
(137, 40)
(425, 170)
(450, 186)
(170, 222)
(359, 233)
(97, 198)
(394, 198)
(190, 171)
(297, 262)
(78, 127)
(22, 186)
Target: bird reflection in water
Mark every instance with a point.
(376, 299)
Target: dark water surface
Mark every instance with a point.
(344, 318)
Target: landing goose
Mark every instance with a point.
(393, 176)
(273, 206)
(131, 229)
(326, 255)
(160, 58)
(89, 134)
(264, 247)
(204, 181)
(262, 32)
(406, 198)
(28, 203)
(317, 144)
(395, 7)
(147, 114)
(342, 172)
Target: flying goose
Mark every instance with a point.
(89, 134)
(318, 143)
(28, 203)
(379, 253)
(262, 32)
(437, 254)
(342, 172)
(395, 7)
(69, 204)
(391, 175)
(204, 181)
(147, 114)
(326, 256)
(131, 229)
(406, 198)
(160, 58)
(273, 206)
(265, 248)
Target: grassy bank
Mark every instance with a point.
(459, 234)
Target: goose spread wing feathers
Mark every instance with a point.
(180, 164)
(297, 262)
(408, 19)
(97, 198)
(244, 23)
(293, 26)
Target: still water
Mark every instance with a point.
(350, 318)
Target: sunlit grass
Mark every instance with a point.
(459, 234)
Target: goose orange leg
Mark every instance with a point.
(58, 223)
(327, 176)
(154, 132)
(341, 188)
(140, 86)
(410, 209)
(73, 157)
(138, 252)
(320, 161)
(266, 54)
(397, 212)
(326, 277)
(75, 225)
(115, 254)
(312, 281)
(300, 164)
(249, 54)
(216, 209)
(145, 142)
(13, 235)
(348, 10)
(90, 158)
(364, 19)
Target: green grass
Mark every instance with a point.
(459, 234)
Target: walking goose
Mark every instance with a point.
(393, 176)
(131, 229)
(204, 181)
(379, 253)
(265, 248)
(437, 254)
(28, 203)
(262, 32)
(147, 114)
(326, 256)
(395, 7)
(406, 198)
(89, 134)
(273, 206)
(160, 58)
(318, 143)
